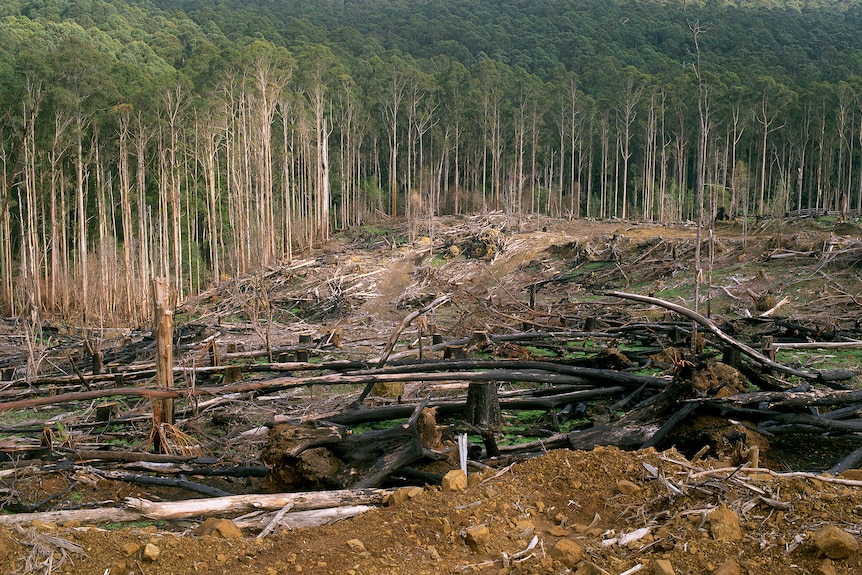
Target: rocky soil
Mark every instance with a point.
(603, 511)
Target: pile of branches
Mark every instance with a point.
(640, 410)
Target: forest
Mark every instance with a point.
(200, 141)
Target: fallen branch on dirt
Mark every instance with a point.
(303, 519)
(162, 482)
(48, 552)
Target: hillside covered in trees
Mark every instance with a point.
(199, 140)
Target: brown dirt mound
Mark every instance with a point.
(551, 514)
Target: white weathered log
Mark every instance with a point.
(244, 503)
(305, 519)
(327, 502)
(775, 308)
(100, 515)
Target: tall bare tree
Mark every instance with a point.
(626, 113)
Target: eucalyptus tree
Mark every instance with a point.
(396, 86)
(455, 87)
(175, 102)
(7, 298)
(846, 137)
(633, 86)
(352, 125)
(267, 71)
(570, 127)
(774, 97)
(84, 73)
(34, 94)
(488, 76)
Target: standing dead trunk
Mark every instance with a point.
(163, 409)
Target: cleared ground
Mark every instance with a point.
(351, 295)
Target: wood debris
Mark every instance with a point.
(302, 346)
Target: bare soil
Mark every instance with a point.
(561, 512)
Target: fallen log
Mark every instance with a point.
(786, 399)
(162, 482)
(367, 414)
(508, 337)
(84, 516)
(637, 427)
(798, 419)
(205, 471)
(573, 375)
(145, 372)
(709, 325)
(304, 519)
(818, 345)
(303, 501)
(127, 456)
(140, 509)
(564, 368)
(849, 462)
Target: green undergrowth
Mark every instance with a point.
(36, 416)
(526, 426)
(821, 359)
(377, 425)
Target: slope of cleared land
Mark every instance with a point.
(566, 511)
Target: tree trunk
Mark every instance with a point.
(483, 406)
(163, 409)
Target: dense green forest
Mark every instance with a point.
(201, 140)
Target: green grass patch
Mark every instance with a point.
(672, 293)
(821, 359)
(519, 426)
(375, 425)
(135, 525)
(15, 417)
(376, 231)
(541, 352)
(437, 260)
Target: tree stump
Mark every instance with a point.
(324, 455)
(483, 406)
